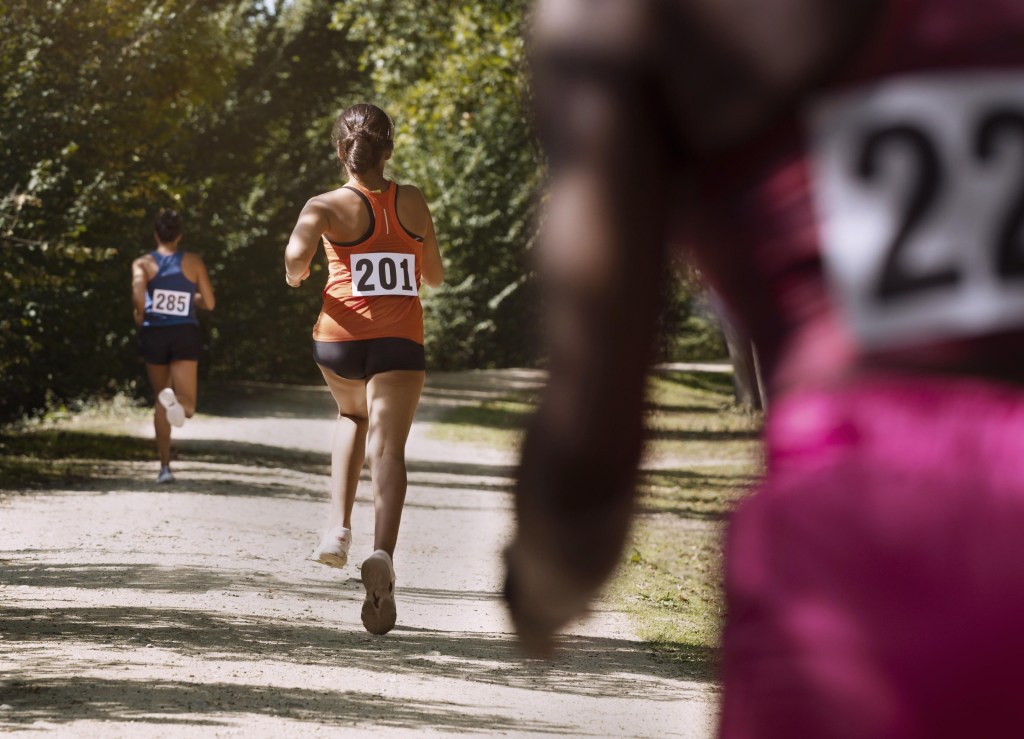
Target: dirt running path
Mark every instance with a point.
(130, 609)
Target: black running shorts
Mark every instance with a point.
(166, 344)
(361, 360)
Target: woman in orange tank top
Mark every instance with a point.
(368, 339)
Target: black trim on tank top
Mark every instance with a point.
(398, 189)
(369, 231)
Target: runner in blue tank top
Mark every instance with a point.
(170, 295)
(167, 287)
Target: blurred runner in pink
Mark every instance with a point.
(874, 581)
(849, 176)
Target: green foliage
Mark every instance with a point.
(452, 76)
(222, 109)
(689, 330)
(95, 113)
(267, 152)
(112, 110)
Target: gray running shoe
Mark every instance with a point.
(379, 611)
(165, 475)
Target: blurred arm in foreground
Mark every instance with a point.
(629, 95)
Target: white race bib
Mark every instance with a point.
(171, 302)
(384, 273)
(918, 184)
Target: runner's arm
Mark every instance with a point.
(602, 261)
(624, 94)
(433, 267)
(205, 297)
(313, 221)
(139, 282)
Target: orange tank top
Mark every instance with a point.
(373, 284)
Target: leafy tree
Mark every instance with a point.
(452, 75)
(95, 111)
(268, 151)
(115, 108)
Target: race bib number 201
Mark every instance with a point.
(384, 273)
(171, 302)
(919, 187)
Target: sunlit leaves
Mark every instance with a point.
(451, 74)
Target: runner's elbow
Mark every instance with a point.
(433, 274)
(296, 258)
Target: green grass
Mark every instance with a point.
(670, 584)
(708, 389)
(670, 577)
(65, 444)
(695, 492)
(691, 417)
(71, 444)
(492, 423)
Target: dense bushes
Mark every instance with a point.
(101, 126)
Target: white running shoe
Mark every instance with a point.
(333, 548)
(175, 413)
(165, 475)
(379, 611)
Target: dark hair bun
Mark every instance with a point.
(363, 133)
(167, 226)
(360, 154)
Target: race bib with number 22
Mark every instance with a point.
(918, 184)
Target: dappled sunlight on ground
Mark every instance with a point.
(132, 608)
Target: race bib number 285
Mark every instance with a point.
(384, 273)
(171, 302)
(919, 187)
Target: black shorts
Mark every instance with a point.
(361, 360)
(166, 344)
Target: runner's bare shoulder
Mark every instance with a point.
(192, 265)
(413, 211)
(725, 72)
(347, 214)
(759, 63)
(146, 263)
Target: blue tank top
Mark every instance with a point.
(170, 295)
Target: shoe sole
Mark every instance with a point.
(379, 611)
(169, 400)
(176, 416)
(331, 559)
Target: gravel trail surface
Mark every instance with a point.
(133, 609)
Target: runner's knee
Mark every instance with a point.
(381, 446)
(358, 420)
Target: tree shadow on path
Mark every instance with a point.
(58, 700)
(585, 665)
